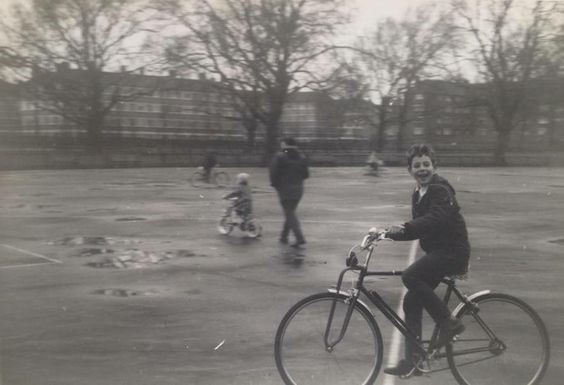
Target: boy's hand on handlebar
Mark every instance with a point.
(395, 230)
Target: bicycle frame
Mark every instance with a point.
(387, 311)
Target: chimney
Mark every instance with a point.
(172, 73)
(202, 76)
(141, 71)
(123, 69)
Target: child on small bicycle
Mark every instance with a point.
(243, 202)
(441, 230)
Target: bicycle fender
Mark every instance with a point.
(471, 298)
(358, 300)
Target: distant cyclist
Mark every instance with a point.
(210, 161)
(374, 163)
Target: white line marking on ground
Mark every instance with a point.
(397, 337)
(25, 265)
(31, 253)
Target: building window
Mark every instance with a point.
(418, 130)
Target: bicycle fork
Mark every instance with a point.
(351, 301)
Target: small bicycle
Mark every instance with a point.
(216, 178)
(232, 219)
(334, 338)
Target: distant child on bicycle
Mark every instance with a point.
(441, 230)
(373, 162)
(243, 204)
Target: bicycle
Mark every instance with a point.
(334, 338)
(231, 219)
(216, 178)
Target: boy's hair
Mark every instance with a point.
(243, 178)
(420, 150)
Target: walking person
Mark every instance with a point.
(288, 170)
(441, 230)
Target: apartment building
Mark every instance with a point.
(169, 107)
(451, 115)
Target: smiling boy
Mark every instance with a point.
(441, 230)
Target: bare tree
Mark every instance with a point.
(397, 55)
(63, 47)
(511, 41)
(261, 51)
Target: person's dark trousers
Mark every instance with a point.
(291, 222)
(421, 279)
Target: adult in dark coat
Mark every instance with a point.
(288, 170)
(441, 230)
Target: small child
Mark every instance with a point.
(243, 205)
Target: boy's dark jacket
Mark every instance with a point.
(437, 221)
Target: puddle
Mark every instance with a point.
(123, 292)
(101, 210)
(183, 253)
(83, 240)
(132, 259)
(559, 241)
(297, 258)
(92, 251)
(130, 219)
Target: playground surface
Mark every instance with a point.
(119, 276)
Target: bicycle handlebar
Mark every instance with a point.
(374, 235)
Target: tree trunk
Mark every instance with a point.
(94, 133)
(251, 126)
(271, 142)
(503, 136)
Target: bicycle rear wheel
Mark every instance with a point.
(221, 179)
(515, 349)
(300, 352)
(253, 230)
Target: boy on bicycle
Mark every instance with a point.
(441, 230)
(243, 204)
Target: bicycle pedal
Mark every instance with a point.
(415, 372)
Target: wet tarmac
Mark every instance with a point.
(121, 277)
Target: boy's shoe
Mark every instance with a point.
(298, 243)
(404, 368)
(283, 241)
(448, 331)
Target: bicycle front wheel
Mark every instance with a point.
(505, 343)
(300, 350)
(221, 179)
